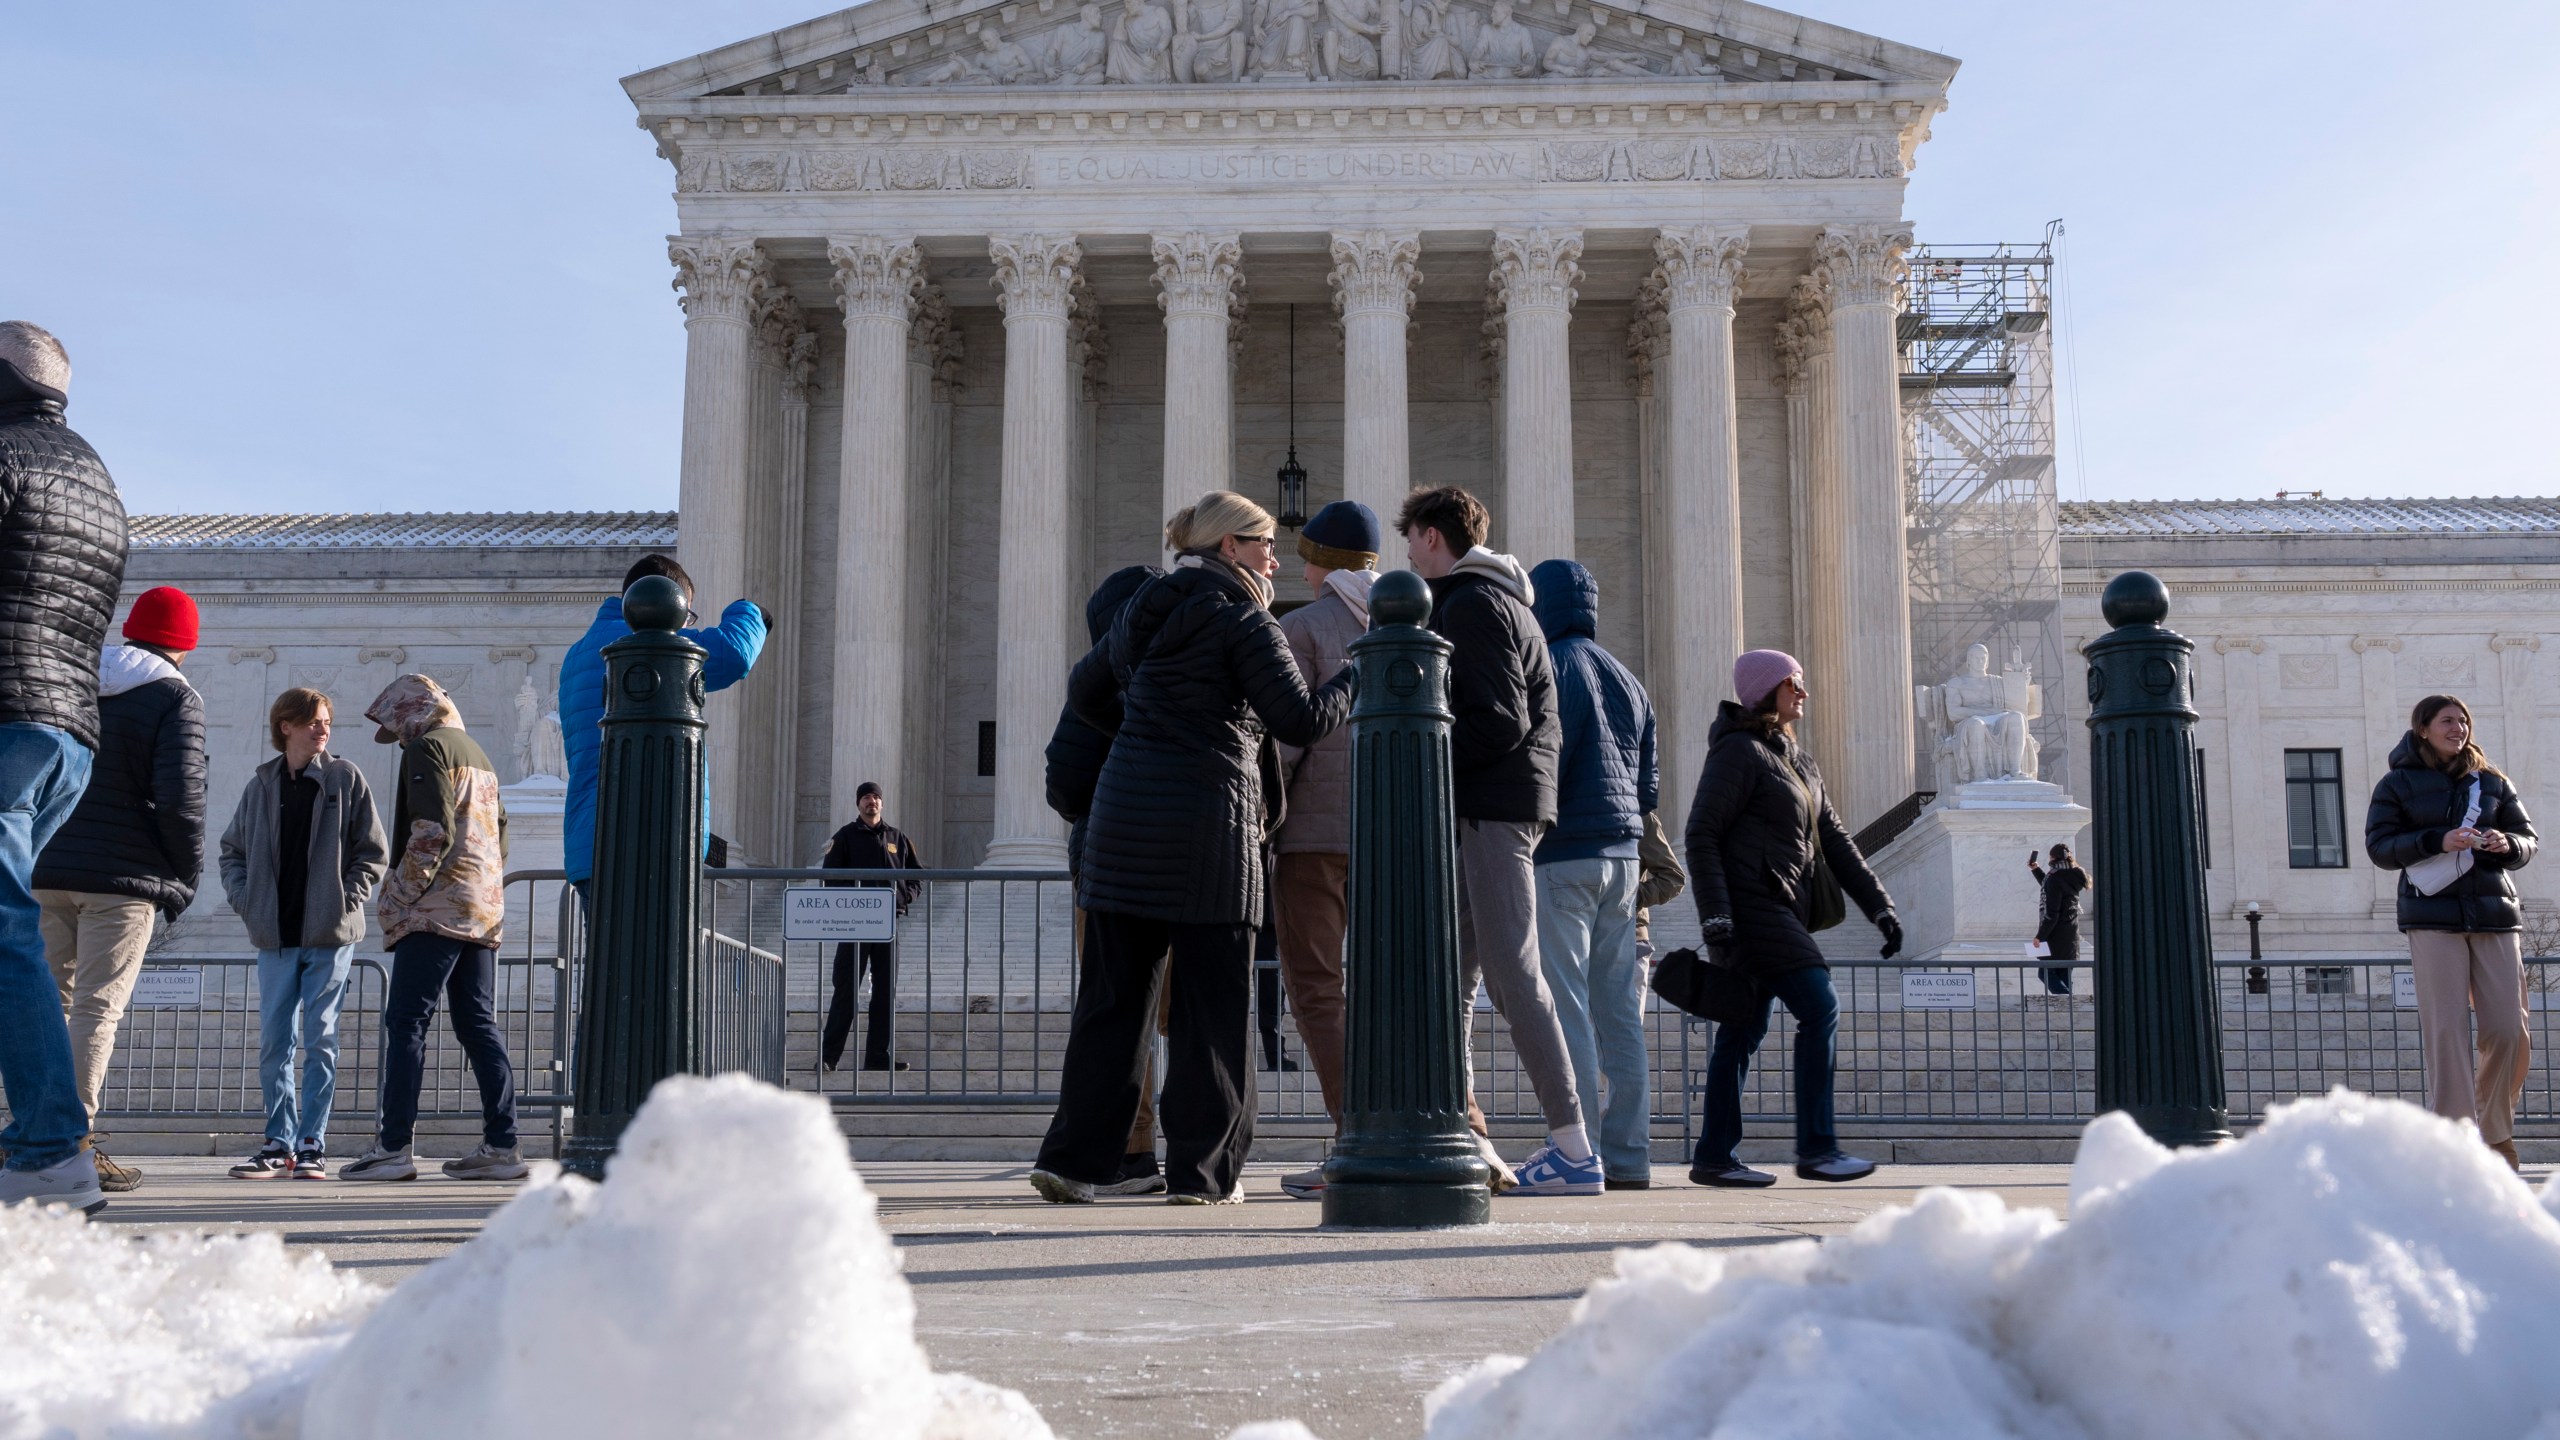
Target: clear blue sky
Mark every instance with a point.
(357, 257)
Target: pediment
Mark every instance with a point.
(889, 45)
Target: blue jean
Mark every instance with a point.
(423, 966)
(1587, 947)
(300, 989)
(1808, 996)
(42, 772)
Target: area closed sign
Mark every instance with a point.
(820, 912)
(1937, 989)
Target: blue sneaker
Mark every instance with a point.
(1549, 1173)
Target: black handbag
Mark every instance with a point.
(1703, 988)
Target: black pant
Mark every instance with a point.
(467, 975)
(881, 959)
(1207, 1114)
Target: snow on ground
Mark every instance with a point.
(730, 1278)
(2355, 1268)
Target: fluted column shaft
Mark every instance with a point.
(1861, 270)
(722, 278)
(1536, 270)
(1374, 272)
(1196, 280)
(1035, 277)
(1702, 491)
(1822, 525)
(777, 451)
(876, 278)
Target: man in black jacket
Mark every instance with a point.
(1503, 747)
(134, 848)
(868, 844)
(62, 552)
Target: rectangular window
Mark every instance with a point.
(986, 747)
(2315, 810)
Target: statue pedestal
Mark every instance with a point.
(1958, 876)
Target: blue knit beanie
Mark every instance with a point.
(1342, 536)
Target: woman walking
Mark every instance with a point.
(1766, 854)
(2058, 893)
(2451, 824)
(1194, 684)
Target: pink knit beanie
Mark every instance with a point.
(1758, 672)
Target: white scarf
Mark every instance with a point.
(1353, 587)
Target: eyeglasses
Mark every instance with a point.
(1268, 542)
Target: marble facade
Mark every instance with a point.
(1564, 254)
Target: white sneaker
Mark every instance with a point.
(1232, 1197)
(381, 1164)
(488, 1162)
(1305, 1185)
(72, 1182)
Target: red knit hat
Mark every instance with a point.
(163, 615)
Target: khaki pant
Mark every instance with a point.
(2460, 977)
(1310, 917)
(95, 944)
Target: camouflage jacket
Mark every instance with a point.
(449, 829)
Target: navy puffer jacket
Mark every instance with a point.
(1073, 759)
(1190, 790)
(1607, 776)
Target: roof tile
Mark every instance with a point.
(510, 529)
(2136, 519)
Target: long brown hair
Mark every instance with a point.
(2470, 758)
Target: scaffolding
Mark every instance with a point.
(1976, 341)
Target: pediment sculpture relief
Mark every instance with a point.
(1207, 42)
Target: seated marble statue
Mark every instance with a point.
(1141, 47)
(1979, 721)
(1076, 52)
(1504, 49)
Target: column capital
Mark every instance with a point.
(1036, 275)
(1862, 264)
(1536, 269)
(1196, 273)
(877, 277)
(1648, 332)
(776, 320)
(1088, 344)
(800, 368)
(1375, 270)
(934, 342)
(1699, 265)
(718, 276)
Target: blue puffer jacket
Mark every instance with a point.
(1607, 778)
(734, 645)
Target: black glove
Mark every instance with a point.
(763, 614)
(1716, 930)
(1892, 929)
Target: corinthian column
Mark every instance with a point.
(1196, 280)
(1701, 492)
(722, 278)
(1536, 271)
(876, 278)
(777, 453)
(1374, 272)
(1860, 269)
(1803, 346)
(1036, 281)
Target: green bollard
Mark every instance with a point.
(638, 1020)
(2159, 1015)
(1406, 1158)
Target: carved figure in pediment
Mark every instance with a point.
(1284, 45)
(1141, 51)
(1978, 721)
(1208, 40)
(1571, 55)
(1004, 62)
(1686, 62)
(1077, 52)
(1431, 45)
(1504, 49)
(1351, 33)
(954, 70)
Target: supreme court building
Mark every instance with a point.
(977, 294)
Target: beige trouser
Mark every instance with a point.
(1310, 917)
(95, 944)
(2460, 977)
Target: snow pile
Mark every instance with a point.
(729, 1278)
(2355, 1268)
(103, 1332)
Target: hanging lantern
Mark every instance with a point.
(1293, 476)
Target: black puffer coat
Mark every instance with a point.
(138, 830)
(1502, 689)
(1751, 837)
(62, 551)
(1073, 760)
(2415, 805)
(1191, 788)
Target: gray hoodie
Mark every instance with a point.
(347, 854)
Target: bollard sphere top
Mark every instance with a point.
(653, 602)
(1399, 598)
(2135, 597)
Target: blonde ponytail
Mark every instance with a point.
(1216, 515)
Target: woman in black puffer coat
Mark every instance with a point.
(2442, 799)
(1173, 854)
(1754, 827)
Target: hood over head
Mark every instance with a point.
(1568, 600)
(1353, 586)
(130, 667)
(1111, 594)
(1501, 569)
(410, 707)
